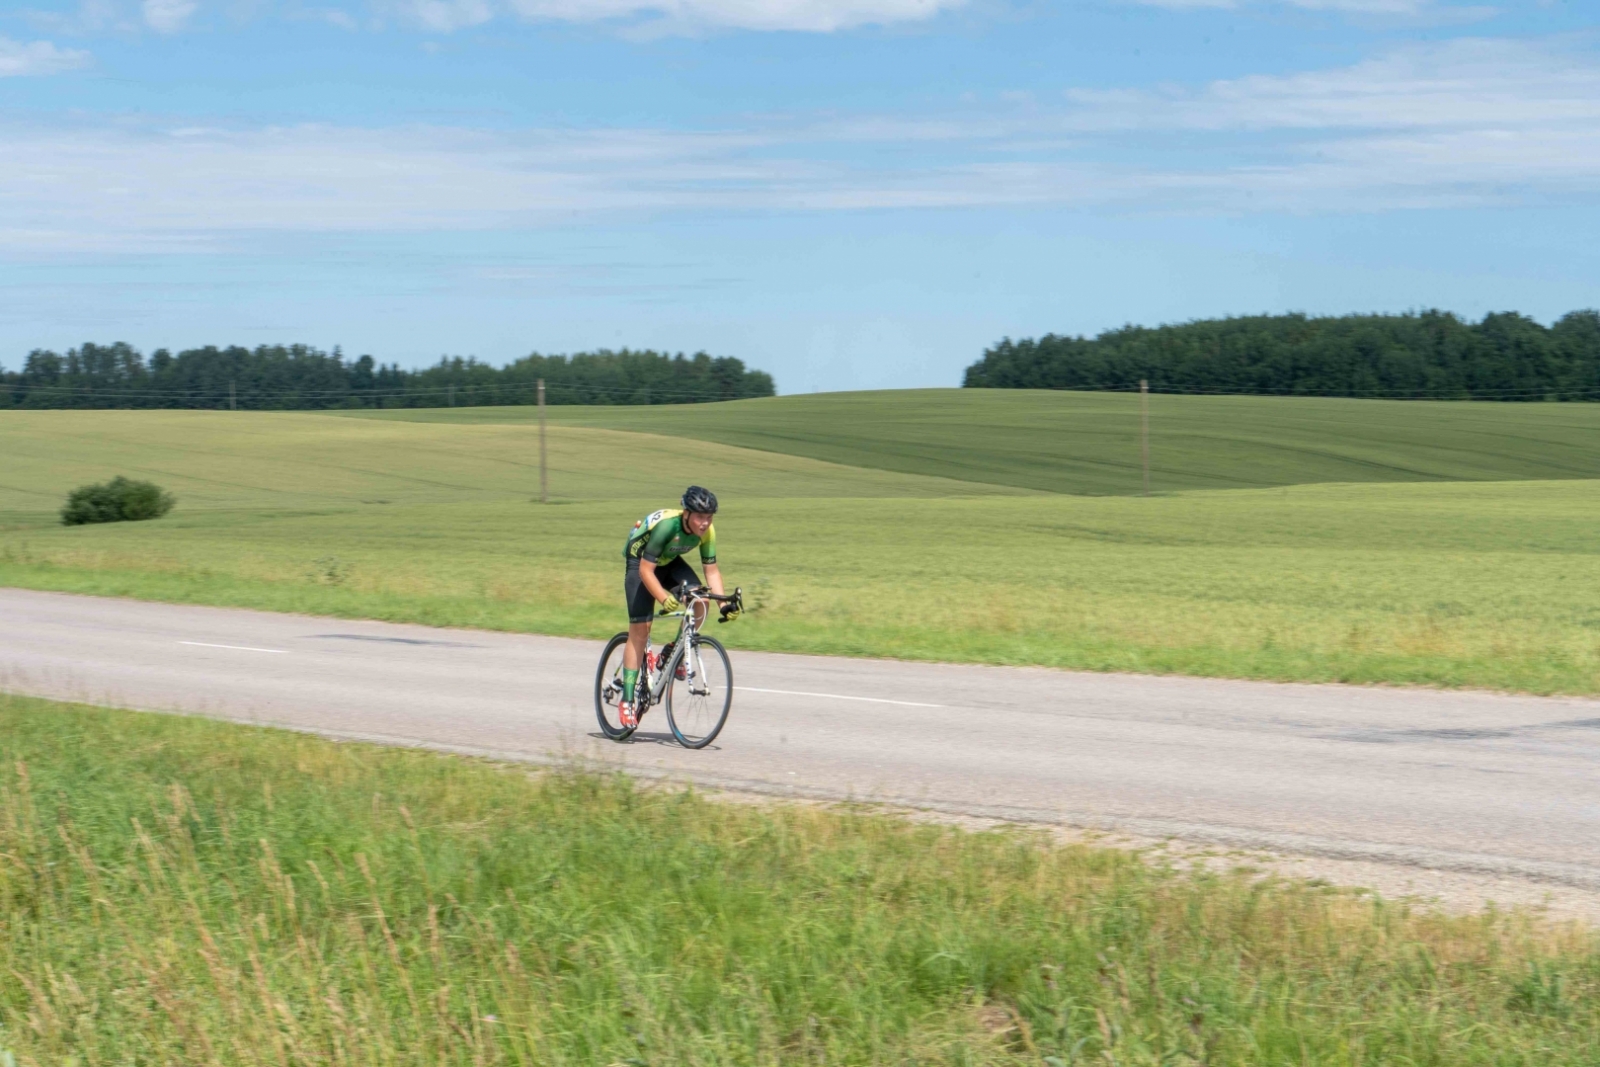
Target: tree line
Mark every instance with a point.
(300, 377)
(1431, 354)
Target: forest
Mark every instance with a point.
(301, 377)
(1420, 355)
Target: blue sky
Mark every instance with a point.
(847, 193)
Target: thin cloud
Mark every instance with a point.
(331, 15)
(1470, 122)
(35, 58)
(445, 16)
(1476, 82)
(815, 16)
(125, 181)
(342, 19)
(1355, 7)
(167, 16)
(91, 16)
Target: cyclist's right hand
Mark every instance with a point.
(671, 604)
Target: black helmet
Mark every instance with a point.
(701, 500)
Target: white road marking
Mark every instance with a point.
(836, 696)
(236, 648)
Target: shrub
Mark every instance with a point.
(119, 500)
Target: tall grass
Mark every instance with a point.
(177, 891)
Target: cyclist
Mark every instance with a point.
(654, 555)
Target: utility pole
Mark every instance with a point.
(452, 396)
(544, 470)
(233, 396)
(1144, 430)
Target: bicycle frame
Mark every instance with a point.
(688, 629)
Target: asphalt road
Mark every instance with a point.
(1467, 782)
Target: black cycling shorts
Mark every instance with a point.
(641, 605)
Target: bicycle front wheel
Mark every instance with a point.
(698, 699)
(608, 689)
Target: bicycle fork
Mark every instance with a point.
(693, 670)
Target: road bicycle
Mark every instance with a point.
(691, 676)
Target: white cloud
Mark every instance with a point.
(1354, 7)
(91, 16)
(805, 15)
(1468, 121)
(130, 183)
(811, 15)
(334, 17)
(442, 16)
(37, 57)
(1364, 7)
(167, 16)
(1462, 83)
(446, 16)
(1465, 123)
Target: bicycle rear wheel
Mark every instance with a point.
(608, 689)
(697, 704)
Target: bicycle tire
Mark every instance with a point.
(611, 727)
(694, 717)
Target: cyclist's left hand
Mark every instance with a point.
(731, 612)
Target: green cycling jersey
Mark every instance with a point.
(661, 537)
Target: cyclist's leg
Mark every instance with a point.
(641, 609)
(677, 573)
(638, 638)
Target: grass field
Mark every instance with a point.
(1481, 583)
(177, 890)
(1063, 442)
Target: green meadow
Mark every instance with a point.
(1088, 443)
(180, 891)
(1327, 540)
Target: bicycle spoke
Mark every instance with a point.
(697, 704)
